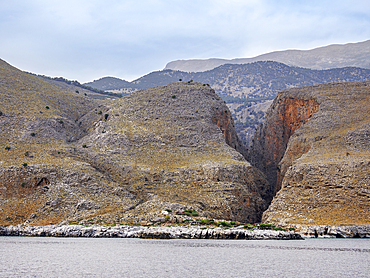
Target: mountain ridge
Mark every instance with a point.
(249, 88)
(325, 57)
(163, 154)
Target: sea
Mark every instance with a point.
(120, 257)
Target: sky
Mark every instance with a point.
(85, 40)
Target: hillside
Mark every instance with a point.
(77, 87)
(327, 57)
(248, 89)
(314, 149)
(108, 83)
(67, 158)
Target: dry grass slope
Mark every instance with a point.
(328, 183)
(65, 157)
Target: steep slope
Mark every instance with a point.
(38, 176)
(65, 157)
(327, 57)
(175, 147)
(314, 148)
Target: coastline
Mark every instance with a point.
(186, 232)
(120, 231)
(327, 231)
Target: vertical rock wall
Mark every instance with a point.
(284, 117)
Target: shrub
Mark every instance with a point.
(61, 122)
(7, 148)
(26, 153)
(207, 222)
(33, 134)
(100, 112)
(173, 96)
(77, 92)
(106, 116)
(84, 146)
(180, 79)
(25, 164)
(291, 229)
(47, 107)
(194, 213)
(1, 113)
(224, 223)
(248, 226)
(266, 226)
(168, 210)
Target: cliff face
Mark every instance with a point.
(65, 157)
(284, 117)
(314, 149)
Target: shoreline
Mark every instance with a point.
(120, 231)
(186, 232)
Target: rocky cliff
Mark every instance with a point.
(147, 157)
(314, 148)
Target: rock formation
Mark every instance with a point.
(144, 158)
(179, 232)
(314, 149)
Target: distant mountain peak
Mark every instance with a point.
(108, 83)
(326, 57)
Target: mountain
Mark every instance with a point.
(108, 83)
(314, 149)
(327, 57)
(74, 85)
(164, 154)
(248, 89)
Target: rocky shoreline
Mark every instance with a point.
(174, 232)
(326, 231)
(186, 232)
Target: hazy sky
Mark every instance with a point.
(87, 39)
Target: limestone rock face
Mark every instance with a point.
(65, 157)
(314, 150)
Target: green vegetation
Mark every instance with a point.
(24, 164)
(7, 148)
(106, 116)
(33, 134)
(189, 212)
(173, 96)
(224, 224)
(47, 107)
(84, 146)
(26, 153)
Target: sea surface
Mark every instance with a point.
(117, 257)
